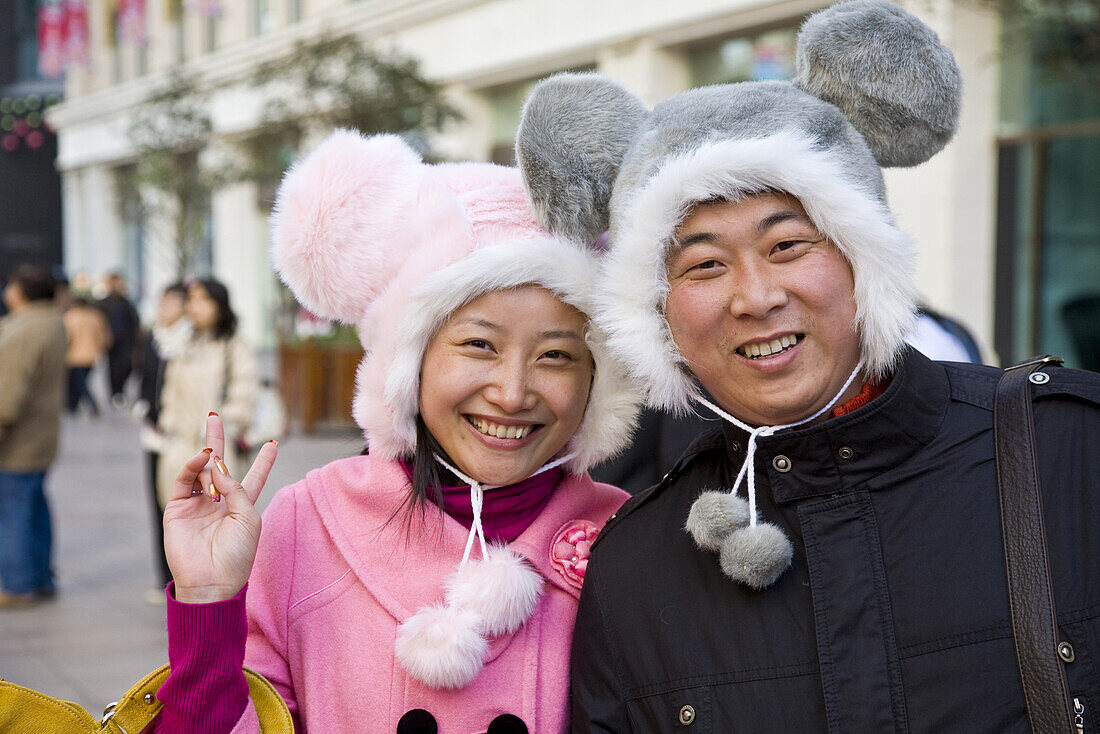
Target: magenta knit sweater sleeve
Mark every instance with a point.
(206, 690)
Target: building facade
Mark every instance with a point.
(487, 53)
(30, 188)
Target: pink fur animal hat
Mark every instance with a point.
(365, 233)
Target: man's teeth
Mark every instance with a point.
(766, 349)
(494, 429)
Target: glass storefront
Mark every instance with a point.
(1048, 233)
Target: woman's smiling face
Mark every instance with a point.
(504, 382)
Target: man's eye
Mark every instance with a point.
(705, 265)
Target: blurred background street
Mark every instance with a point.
(99, 636)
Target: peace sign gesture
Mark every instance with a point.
(211, 526)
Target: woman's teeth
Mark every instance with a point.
(494, 429)
(767, 349)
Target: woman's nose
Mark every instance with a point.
(510, 388)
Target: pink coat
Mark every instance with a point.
(333, 580)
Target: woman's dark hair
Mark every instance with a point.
(177, 288)
(226, 323)
(34, 281)
(429, 477)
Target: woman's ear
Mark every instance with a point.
(573, 136)
(887, 72)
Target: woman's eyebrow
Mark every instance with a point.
(474, 321)
(559, 334)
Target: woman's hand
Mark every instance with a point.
(210, 537)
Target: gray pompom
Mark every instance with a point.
(714, 516)
(573, 135)
(756, 556)
(889, 74)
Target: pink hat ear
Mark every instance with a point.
(342, 222)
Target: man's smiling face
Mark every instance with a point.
(762, 307)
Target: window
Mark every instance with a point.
(761, 56)
(1048, 221)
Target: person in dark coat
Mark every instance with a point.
(828, 559)
(124, 322)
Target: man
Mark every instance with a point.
(830, 559)
(32, 376)
(124, 321)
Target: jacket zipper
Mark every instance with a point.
(1078, 714)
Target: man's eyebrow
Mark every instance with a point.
(781, 216)
(691, 239)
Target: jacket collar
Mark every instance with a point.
(842, 453)
(404, 566)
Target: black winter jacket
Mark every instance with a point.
(894, 615)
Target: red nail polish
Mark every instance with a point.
(210, 414)
(274, 442)
(207, 451)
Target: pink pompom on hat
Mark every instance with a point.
(365, 233)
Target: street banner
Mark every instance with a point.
(76, 33)
(51, 40)
(131, 21)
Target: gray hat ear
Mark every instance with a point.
(887, 72)
(573, 135)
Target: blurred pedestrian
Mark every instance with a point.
(168, 337)
(214, 370)
(89, 338)
(124, 322)
(32, 376)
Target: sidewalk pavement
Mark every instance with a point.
(99, 636)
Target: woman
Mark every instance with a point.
(169, 337)
(431, 584)
(214, 371)
(89, 338)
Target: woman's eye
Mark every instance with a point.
(557, 354)
(477, 344)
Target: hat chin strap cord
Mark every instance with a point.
(749, 551)
(477, 498)
(754, 433)
(444, 645)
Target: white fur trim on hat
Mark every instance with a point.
(635, 282)
(394, 376)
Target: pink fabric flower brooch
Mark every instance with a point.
(570, 548)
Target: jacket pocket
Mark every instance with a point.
(689, 710)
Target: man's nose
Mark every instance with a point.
(757, 292)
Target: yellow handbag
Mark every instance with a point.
(26, 711)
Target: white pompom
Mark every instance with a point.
(501, 588)
(756, 556)
(713, 516)
(441, 646)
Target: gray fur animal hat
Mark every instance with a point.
(874, 87)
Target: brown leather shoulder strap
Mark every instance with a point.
(1030, 597)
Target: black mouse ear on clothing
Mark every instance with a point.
(573, 136)
(887, 72)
